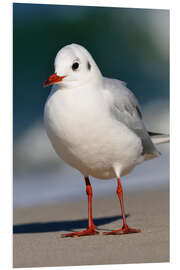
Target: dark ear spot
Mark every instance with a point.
(88, 65)
(139, 112)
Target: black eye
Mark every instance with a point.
(75, 66)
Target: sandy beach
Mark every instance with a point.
(37, 232)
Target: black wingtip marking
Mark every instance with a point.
(154, 133)
(89, 65)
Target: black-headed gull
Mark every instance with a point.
(95, 125)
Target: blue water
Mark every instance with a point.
(67, 184)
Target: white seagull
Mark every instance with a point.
(95, 125)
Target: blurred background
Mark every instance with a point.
(128, 44)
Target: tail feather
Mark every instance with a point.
(158, 138)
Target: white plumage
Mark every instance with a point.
(95, 125)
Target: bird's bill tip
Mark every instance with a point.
(54, 78)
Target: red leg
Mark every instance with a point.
(91, 227)
(125, 228)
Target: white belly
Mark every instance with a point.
(84, 136)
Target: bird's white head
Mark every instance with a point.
(74, 66)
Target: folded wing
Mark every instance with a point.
(125, 108)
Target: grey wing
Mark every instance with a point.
(125, 108)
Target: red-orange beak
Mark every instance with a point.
(54, 78)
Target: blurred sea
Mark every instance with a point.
(67, 184)
(128, 44)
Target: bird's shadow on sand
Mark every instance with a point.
(66, 225)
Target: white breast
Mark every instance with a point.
(84, 135)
